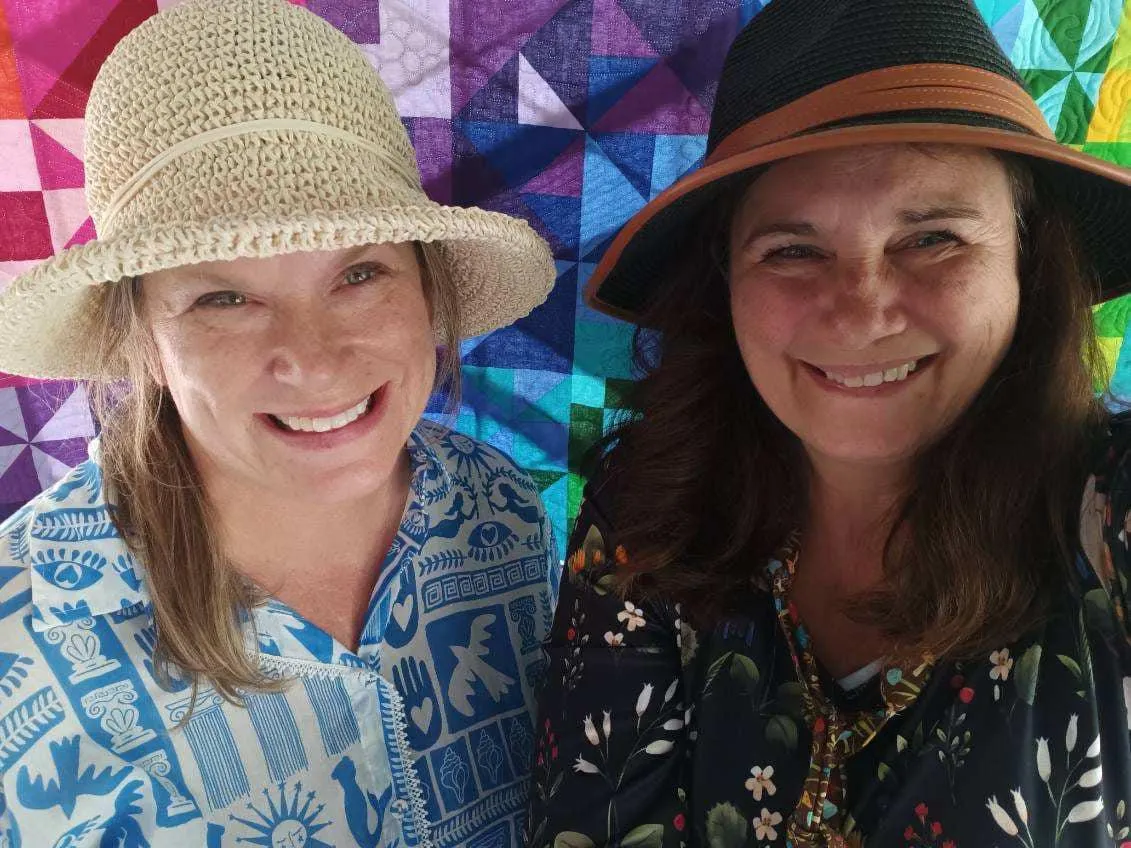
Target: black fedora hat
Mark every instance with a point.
(810, 75)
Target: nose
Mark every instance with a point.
(307, 349)
(864, 303)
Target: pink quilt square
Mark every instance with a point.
(24, 231)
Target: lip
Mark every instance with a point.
(329, 440)
(323, 412)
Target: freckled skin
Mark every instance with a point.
(863, 272)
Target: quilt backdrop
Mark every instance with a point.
(569, 113)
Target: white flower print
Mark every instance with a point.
(632, 615)
(764, 825)
(761, 780)
(1063, 785)
(1001, 816)
(1002, 665)
(614, 640)
(1127, 699)
(644, 699)
(1044, 761)
(591, 731)
(583, 766)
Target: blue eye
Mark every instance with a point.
(359, 274)
(934, 239)
(69, 569)
(491, 541)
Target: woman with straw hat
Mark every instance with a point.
(274, 607)
(832, 584)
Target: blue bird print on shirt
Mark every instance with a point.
(64, 791)
(122, 830)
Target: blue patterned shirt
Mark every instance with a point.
(422, 737)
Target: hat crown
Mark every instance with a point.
(209, 64)
(794, 47)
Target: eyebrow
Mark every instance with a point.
(941, 213)
(905, 216)
(349, 258)
(779, 228)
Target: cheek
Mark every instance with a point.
(978, 319)
(765, 317)
(186, 356)
(402, 332)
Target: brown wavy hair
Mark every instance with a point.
(989, 526)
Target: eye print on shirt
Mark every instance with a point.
(491, 541)
(69, 569)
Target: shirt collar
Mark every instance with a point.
(79, 565)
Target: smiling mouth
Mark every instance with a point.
(299, 424)
(857, 380)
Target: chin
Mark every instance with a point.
(341, 485)
(868, 450)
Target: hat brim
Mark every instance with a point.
(500, 267)
(1097, 192)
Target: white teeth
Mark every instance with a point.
(876, 378)
(324, 425)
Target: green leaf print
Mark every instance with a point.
(791, 700)
(1097, 608)
(1026, 675)
(569, 839)
(1071, 665)
(743, 670)
(782, 730)
(645, 836)
(726, 827)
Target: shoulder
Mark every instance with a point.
(465, 456)
(1108, 487)
(470, 464)
(75, 501)
(68, 549)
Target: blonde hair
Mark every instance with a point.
(198, 597)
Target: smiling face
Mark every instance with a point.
(874, 290)
(302, 374)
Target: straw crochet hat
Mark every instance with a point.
(810, 75)
(222, 129)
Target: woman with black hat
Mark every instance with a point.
(833, 584)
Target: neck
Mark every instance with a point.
(851, 510)
(269, 538)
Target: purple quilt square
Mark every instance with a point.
(359, 19)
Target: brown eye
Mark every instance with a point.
(793, 251)
(221, 299)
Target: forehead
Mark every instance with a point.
(901, 173)
(289, 266)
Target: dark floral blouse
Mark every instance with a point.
(652, 734)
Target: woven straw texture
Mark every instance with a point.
(334, 170)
